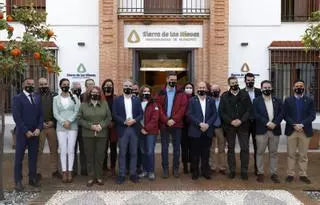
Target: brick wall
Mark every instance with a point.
(211, 61)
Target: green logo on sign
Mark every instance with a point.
(134, 37)
(81, 68)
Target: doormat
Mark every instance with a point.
(227, 197)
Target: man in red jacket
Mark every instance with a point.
(173, 102)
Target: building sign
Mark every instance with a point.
(163, 36)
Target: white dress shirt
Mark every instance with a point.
(128, 107)
(28, 96)
(251, 94)
(203, 107)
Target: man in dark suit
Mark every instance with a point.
(299, 112)
(27, 114)
(268, 112)
(202, 113)
(235, 109)
(253, 92)
(127, 113)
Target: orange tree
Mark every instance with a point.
(15, 53)
(311, 36)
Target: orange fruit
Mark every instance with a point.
(10, 28)
(36, 55)
(50, 33)
(15, 52)
(2, 47)
(9, 18)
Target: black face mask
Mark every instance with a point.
(135, 93)
(127, 91)
(202, 92)
(250, 84)
(65, 89)
(29, 88)
(216, 94)
(146, 96)
(234, 87)
(267, 92)
(77, 92)
(172, 84)
(299, 91)
(94, 97)
(44, 90)
(107, 89)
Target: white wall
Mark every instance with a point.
(254, 12)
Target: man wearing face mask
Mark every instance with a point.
(49, 131)
(173, 102)
(126, 112)
(268, 111)
(234, 110)
(218, 160)
(76, 89)
(202, 113)
(299, 112)
(253, 92)
(27, 114)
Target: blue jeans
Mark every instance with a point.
(147, 145)
(130, 138)
(176, 140)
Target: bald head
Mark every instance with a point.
(215, 87)
(202, 88)
(76, 85)
(215, 91)
(43, 82)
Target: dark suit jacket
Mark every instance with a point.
(262, 118)
(257, 93)
(195, 116)
(27, 117)
(307, 115)
(119, 113)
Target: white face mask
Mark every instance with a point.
(188, 90)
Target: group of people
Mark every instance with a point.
(200, 121)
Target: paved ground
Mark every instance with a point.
(219, 182)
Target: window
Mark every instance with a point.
(35, 71)
(38, 4)
(290, 65)
(162, 6)
(298, 10)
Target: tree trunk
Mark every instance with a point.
(2, 115)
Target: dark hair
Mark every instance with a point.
(171, 73)
(141, 90)
(85, 82)
(71, 95)
(298, 81)
(25, 79)
(86, 98)
(265, 81)
(189, 83)
(250, 75)
(232, 78)
(105, 82)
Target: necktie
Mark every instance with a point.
(32, 100)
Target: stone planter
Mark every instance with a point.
(315, 140)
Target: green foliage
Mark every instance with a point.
(311, 36)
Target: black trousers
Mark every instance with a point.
(185, 146)
(243, 138)
(200, 148)
(252, 132)
(83, 161)
(113, 154)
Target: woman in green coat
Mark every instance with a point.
(94, 117)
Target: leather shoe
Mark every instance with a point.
(305, 179)
(195, 176)
(34, 183)
(244, 176)
(134, 178)
(275, 179)
(231, 175)
(175, 173)
(18, 187)
(260, 178)
(120, 179)
(289, 179)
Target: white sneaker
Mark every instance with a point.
(143, 174)
(152, 176)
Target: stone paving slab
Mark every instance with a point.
(248, 197)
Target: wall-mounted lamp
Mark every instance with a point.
(244, 44)
(81, 44)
